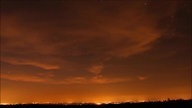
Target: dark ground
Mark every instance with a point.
(157, 104)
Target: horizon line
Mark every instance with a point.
(92, 103)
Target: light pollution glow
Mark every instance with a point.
(96, 51)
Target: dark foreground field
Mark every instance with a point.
(163, 104)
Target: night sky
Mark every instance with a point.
(95, 50)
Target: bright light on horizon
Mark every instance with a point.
(92, 102)
(5, 103)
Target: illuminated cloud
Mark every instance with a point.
(96, 69)
(23, 77)
(72, 80)
(129, 34)
(48, 79)
(73, 42)
(142, 77)
(103, 80)
(28, 62)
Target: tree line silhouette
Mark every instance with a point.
(152, 104)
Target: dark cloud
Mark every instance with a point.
(79, 31)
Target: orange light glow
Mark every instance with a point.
(5, 103)
(94, 51)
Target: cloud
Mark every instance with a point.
(30, 62)
(72, 80)
(78, 36)
(23, 77)
(49, 79)
(95, 69)
(142, 77)
(103, 80)
(101, 36)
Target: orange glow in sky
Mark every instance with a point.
(96, 51)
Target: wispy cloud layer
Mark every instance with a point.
(24, 78)
(79, 38)
(24, 62)
(49, 79)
